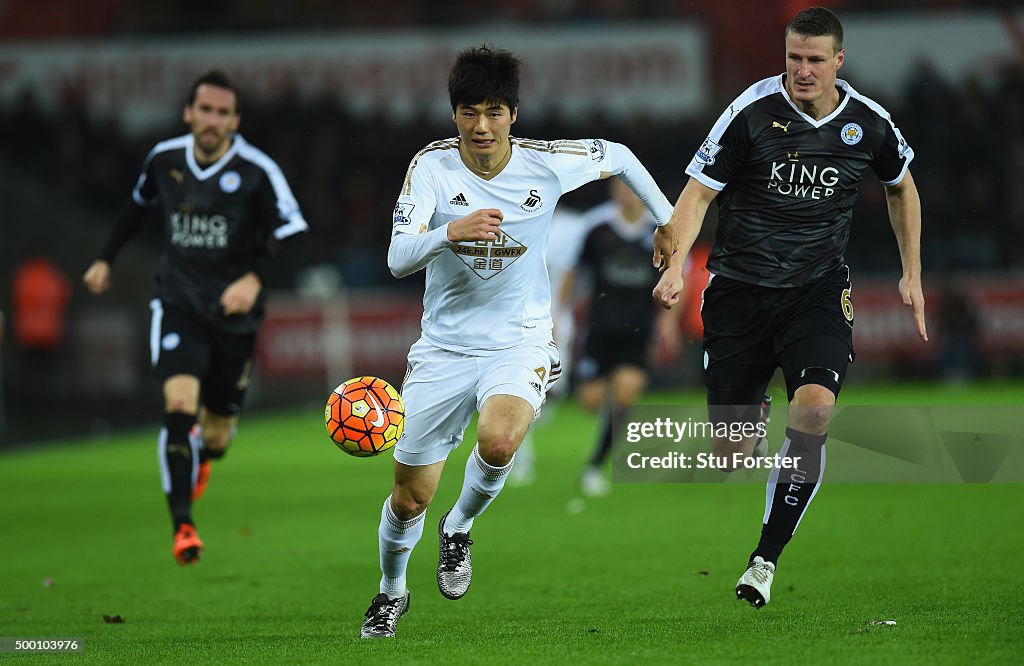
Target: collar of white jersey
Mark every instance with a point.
(513, 157)
(202, 174)
(843, 86)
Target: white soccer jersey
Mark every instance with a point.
(483, 296)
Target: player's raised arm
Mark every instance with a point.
(904, 205)
(603, 159)
(620, 161)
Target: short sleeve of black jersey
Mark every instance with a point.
(146, 192)
(893, 156)
(724, 151)
(265, 208)
(278, 257)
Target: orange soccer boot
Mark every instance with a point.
(187, 546)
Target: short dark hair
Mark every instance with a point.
(484, 74)
(217, 79)
(818, 22)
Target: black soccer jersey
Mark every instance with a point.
(218, 222)
(788, 182)
(618, 257)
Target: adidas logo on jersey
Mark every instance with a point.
(459, 200)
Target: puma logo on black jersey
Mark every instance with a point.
(784, 128)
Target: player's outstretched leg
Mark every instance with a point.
(481, 485)
(454, 562)
(396, 539)
(788, 494)
(178, 461)
(382, 616)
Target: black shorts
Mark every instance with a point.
(608, 347)
(750, 330)
(182, 344)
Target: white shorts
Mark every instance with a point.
(443, 388)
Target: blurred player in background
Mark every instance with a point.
(474, 211)
(785, 162)
(229, 217)
(568, 229)
(621, 322)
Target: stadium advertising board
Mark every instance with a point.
(403, 74)
(372, 333)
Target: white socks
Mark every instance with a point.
(481, 485)
(396, 538)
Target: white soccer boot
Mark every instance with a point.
(755, 585)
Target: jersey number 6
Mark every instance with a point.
(847, 305)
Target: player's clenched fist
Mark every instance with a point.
(669, 287)
(480, 225)
(97, 278)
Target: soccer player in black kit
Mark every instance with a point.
(784, 162)
(611, 372)
(229, 217)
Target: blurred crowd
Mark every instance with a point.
(346, 172)
(34, 18)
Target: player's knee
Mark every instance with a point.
(499, 453)
(590, 397)
(182, 404)
(217, 440)
(813, 420)
(407, 503)
(498, 445)
(589, 402)
(811, 409)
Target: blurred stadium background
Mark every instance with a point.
(342, 94)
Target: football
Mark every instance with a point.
(364, 416)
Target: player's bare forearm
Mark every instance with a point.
(480, 225)
(241, 295)
(687, 219)
(666, 241)
(904, 204)
(670, 285)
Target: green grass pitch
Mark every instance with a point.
(644, 575)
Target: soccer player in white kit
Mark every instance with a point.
(474, 211)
